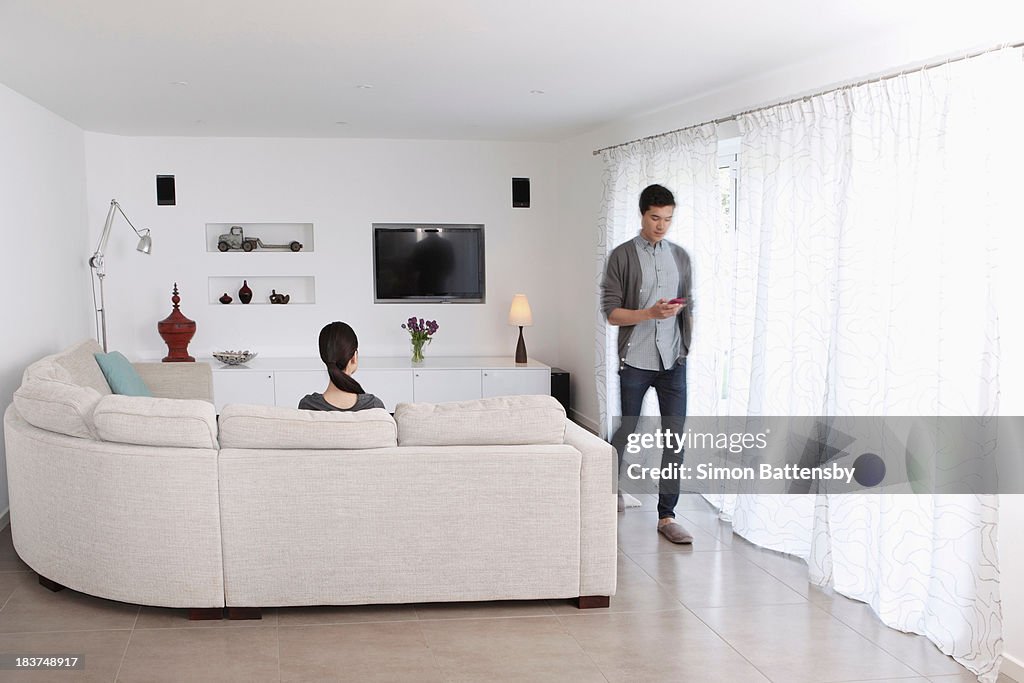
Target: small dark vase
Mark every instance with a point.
(245, 294)
(226, 299)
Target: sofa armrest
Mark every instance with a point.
(598, 512)
(137, 524)
(178, 380)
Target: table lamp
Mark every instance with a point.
(520, 315)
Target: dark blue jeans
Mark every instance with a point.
(670, 385)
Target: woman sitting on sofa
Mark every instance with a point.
(339, 350)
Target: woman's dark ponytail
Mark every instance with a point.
(338, 343)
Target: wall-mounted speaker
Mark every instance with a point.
(165, 190)
(520, 193)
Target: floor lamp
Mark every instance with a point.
(98, 270)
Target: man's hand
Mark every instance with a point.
(659, 311)
(663, 309)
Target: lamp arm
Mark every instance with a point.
(96, 262)
(97, 258)
(128, 220)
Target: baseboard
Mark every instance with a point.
(584, 421)
(1012, 668)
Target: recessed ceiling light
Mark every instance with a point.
(200, 121)
(179, 82)
(536, 92)
(341, 123)
(364, 86)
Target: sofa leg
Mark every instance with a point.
(205, 613)
(245, 612)
(50, 584)
(592, 601)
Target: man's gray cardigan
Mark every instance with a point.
(620, 288)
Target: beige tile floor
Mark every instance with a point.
(722, 610)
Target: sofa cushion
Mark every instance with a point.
(502, 421)
(149, 421)
(57, 406)
(251, 426)
(120, 375)
(80, 363)
(46, 368)
(76, 365)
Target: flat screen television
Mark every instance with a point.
(428, 263)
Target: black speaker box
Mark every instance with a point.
(165, 190)
(520, 193)
(560, 387)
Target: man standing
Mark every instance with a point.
(646, 294)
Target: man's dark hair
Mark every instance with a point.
(655, 195)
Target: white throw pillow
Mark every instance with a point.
(75, 365)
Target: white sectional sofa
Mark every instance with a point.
(152, 501)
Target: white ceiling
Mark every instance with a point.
(455, 69)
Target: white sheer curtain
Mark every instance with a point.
(686, 163)
(869, 223)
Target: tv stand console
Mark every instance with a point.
(283, 381)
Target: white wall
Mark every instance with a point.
(45, 278)
(342, 187)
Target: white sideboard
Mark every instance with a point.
(283, 381)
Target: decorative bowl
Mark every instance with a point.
(234, 357)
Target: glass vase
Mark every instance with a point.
(417, 350)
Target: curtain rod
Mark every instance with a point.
(732, 117)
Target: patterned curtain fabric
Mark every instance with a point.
(870, 223)
(870, 274)
(685, 162)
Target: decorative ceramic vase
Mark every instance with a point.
(177, 331)
(245, 294)
(417, 350)
(226, 299)
(276, 298)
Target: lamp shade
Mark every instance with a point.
(145, 242)
(519, 313)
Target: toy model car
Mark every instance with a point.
(236, 239)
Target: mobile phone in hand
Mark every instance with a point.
(677, 301)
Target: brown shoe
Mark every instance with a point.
(675, 533)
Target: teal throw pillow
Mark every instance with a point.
(121, 376)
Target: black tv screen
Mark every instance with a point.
(428, 263)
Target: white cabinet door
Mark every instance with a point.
(391, 386)
(438, 386)
(238, 385)
(291, 385)
(515, 382)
